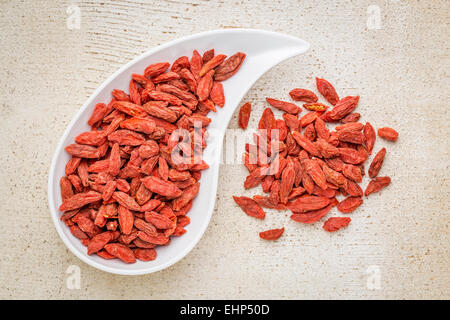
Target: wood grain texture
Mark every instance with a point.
(400, 71)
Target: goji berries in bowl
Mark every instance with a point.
(109, 146)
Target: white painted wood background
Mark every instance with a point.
(400, 70)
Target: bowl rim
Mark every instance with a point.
(51, 178)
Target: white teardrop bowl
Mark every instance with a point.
(264, 50)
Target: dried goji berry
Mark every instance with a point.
(217, 95)
(349, 204)
(313, 169)
(121, 251)
(145, 254)
(351, 136)
(343, 107)
(207, 55)
(336, 223)
(377, 184)
(369, 136)
(327, 91)
(303, 95)
(388, 134)
(204, 86)
(229, 67)
(211, 64)
(266, 202)
(79, 200)
(291, 121)
(162, 187)
(125, 200)
(377, 162)
(311, 216)
(308, 203)
(352, 172)
(351, 117)
(315, 106)
(305, 144)
(284, 106)
(66, 188)
(287, 182)
(250, 207)
(180, 63)
(196, 64)
(156, 69)
(99, 241)
(272, 234)
(82, 151)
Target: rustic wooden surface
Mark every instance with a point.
(399, 236)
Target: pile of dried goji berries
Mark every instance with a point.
(302, 165)
(132, 178)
